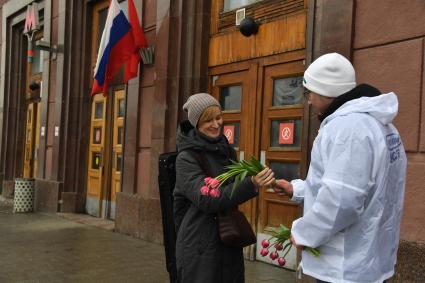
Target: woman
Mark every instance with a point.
(201, 256)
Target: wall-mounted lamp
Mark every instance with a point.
(248, 26)
(34, 86)
(45, 46)
(34, 91)
(147, 55)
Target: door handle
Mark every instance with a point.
(263, 161)
(263, 157)
(241, 155)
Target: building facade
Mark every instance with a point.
(99, 154)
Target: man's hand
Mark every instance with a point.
(283, 187)
(299, 247)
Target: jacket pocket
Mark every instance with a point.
(207, 236)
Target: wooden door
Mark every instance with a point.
(95, 178)
(37, 138)
(237, 97)
(32, 139)
(282, 146)
(29, 140)
(34, 70)
(118, 136)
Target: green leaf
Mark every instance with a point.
(243, 175)
(314, 252)
(235, 184)
(257, 164)
(251, 169)
(283, 233)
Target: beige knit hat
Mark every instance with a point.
(196, 104)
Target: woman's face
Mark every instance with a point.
(212, 127)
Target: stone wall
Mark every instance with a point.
(388, 52)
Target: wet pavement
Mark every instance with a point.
(39, 247)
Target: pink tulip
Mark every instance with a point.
(215, 193)
(281, 261)
(207, 180)
(264, 252)
(274, 255)
(278, 247)
(265, 243)
(214, 183)
(205, 191)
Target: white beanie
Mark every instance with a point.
(330, 75)
(196, 105)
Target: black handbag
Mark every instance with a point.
(234, 229)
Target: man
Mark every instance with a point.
(353, 194)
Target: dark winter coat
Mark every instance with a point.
(201, 256)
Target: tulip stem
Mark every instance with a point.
(287, 251)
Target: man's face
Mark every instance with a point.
(318, 102)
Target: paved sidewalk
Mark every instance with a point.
(38, 247)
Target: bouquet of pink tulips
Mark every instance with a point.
(277, 246)
(238, 170)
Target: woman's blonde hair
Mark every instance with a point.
(208, 114)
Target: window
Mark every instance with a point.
(120, 135)
(234, 4)
(118, 163)
(96, 158)
(285, 170)
(97, 135)
(230, 98)
(121, 108)
(288, 91)
(285, 133)
(98, 112)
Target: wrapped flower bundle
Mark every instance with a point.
(278, 249)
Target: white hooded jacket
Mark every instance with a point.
(353, 194)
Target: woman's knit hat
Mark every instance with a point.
(196, 104)
(330, 75)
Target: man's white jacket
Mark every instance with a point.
(353, 194)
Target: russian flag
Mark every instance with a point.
(120, 44)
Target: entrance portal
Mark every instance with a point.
(263, 112)
(105, 154)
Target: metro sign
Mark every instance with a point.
(229, 132)
(31, 19)
(286, 133)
